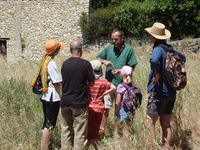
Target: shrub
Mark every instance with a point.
(180, 17)
(185, 18)
(99, 23)
(132, 17)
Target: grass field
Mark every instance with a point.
(21, 113)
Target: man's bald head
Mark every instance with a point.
(75, 45)
(76, 48)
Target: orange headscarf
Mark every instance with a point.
(51, 47)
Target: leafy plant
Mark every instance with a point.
(182, 18)
(99, 23)
(132, 17)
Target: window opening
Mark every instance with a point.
(3, 46)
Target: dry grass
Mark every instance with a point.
(21, 113)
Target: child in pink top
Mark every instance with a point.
(122, 115)
(96, 106)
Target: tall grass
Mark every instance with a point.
(21, 113)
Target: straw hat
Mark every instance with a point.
(158, 31)
(52, 46)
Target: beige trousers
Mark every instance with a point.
(74, 123)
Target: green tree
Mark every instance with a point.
(133, 16)
(185, 20)
(100, 23)
(181, 17)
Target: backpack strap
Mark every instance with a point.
(163, 47)
(182, 57)
(127, 86)
(166, 49)
(137, 93)
(136, 89)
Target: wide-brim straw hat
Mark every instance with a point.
(52, 45)
(158, 31)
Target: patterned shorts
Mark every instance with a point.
(159, 104)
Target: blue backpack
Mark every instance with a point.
(132, 96)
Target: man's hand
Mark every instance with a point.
(116, 71)
(108, 63)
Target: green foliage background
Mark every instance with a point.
(181, 17)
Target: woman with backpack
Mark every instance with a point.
(161, 96)
(50, 93)
(126, 97)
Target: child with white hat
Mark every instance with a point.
(96, 106)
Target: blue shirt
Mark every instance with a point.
(157, 62)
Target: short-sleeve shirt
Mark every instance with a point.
(120, 58)
(100, 86)
(55, 77)
(157, 61)
(76, 72)
(121, 90)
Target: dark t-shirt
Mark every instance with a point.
(76, 72)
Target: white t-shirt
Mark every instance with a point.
(55, 77)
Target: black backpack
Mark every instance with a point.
(37, 88)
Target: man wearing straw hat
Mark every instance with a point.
(161, 97)
(77, 74)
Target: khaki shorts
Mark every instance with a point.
(109, 99)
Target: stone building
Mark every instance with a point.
(26, 25)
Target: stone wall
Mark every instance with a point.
(187, 45)
(30, 23)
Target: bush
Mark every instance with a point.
(185, 15)
(132, 17)
(180, 17)
(100, 23)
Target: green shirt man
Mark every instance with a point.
(120, 58)
(114, 57)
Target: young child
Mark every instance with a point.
(121, 113)
(96, 106)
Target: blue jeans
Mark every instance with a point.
(123, 115)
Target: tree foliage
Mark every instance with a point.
(181, 17)
(100, 23)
